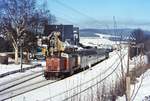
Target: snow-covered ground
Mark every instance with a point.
(105, 74)
(8, 68)
(141, 90)
(95, 41)
(65, 88)
(19, 75)
(11, 67)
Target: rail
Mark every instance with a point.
(18, 70)
(87, 82)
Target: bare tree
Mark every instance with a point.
(137, 36)
(19, 17)
(15, 20)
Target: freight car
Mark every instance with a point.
(67, 63)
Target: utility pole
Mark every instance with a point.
(115, 28)
(128, 79)
(21, 56)
(21, 52)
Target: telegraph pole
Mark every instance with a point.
(21, 53)
(21, 57)
(128, 79)
(115, 29)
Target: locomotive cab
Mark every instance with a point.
(60, 65)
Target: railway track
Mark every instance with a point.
(18, 90)
(17, 81)
(17, 71)
(24, 87)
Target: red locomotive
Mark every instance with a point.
(65, 61)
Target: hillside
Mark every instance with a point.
(91, 32)
(124, 32)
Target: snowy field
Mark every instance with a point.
(91, 41)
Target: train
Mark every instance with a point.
(68, 63)
(65, 61)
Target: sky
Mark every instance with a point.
(102, 13)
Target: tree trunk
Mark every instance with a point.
(27, 55)
(16, 55)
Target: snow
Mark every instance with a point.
(77, 82)
(7, 68)
(68, 87)
(142, 89)
(11, 67)
(3, 54)
(18, 75)
(139, 59)
(95, 41)
(143, 94)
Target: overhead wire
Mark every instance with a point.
(67, 18)
(93, 84)
(142, 77)
(71, 8)
(90, 79)
(80, 13)
(138, 88)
